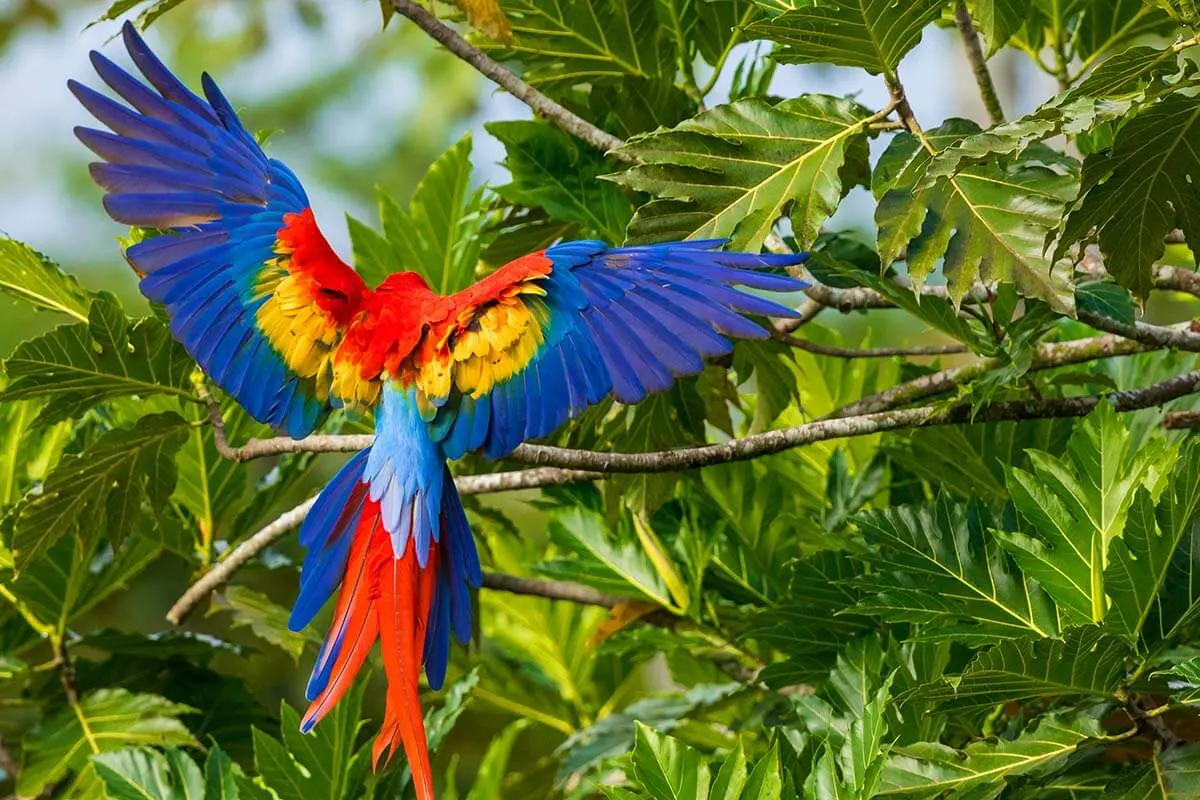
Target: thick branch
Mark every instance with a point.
(987, 88)
(541, 104)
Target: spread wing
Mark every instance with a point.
(546, 336)
(252, 288)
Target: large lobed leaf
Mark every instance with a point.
(106, 719)
(1085, 662)
(871, 34)
(984, 223)
(926, 769)
(1150, 578)
(1141, 190)
(1105, 95)
(735, 170)
(29, 276)
(77, 366)
(564, 42)
(552, 171)
(939, 566)
(104, 490)
(1076, 506)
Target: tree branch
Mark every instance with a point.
(569, 466)
(541, 104)
(870, 352)
(1046, 356)
(987, 88)
(553, 590)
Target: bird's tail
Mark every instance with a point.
(412, 609)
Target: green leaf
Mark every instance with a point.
(562, 42)
(104, 720)
(437, 236)
(552, 171)
(998, 20)
(1105, 25)
(78, 366)
(105, 489)
(266, 618)
(29, 276)
(1186, 11)
(1139, 577)
(277, 769)
(988, 223)
(1148, 570)
(332, 762)
(1141, 190)
(1076, 506)
(1105, 95)
(621, 567)
(27, 451)
(735, 170)
(731, 777)
(871, 34)
(220, 778)
(765, 781)
(928, 768)
(70, 579)
(1107, 300)
(490, 776)
(617, 733)
(938, 566)
(1085, 662)
(667, 768)
(970, 460)
(141, 773)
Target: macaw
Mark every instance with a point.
(274, 317)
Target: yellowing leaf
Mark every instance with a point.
(486, 17)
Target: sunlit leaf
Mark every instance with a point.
(29, 276)
(986, 222)
(735, 170)
(871, 34)
(77, 366)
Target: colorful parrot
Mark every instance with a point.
(284, 326)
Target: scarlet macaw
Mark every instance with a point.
(277, 320)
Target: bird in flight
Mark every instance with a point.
(274, 317)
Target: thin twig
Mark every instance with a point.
(553, 590)
(987, 88)
(1177, 420)
(541, 104)
(291, 519)
(66, 670)
(1046, 356)
(870, 352)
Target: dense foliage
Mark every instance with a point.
(993, 595)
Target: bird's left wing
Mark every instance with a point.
(252, 288)
(521, 351)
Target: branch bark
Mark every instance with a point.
(541, 104)
(983, 77)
